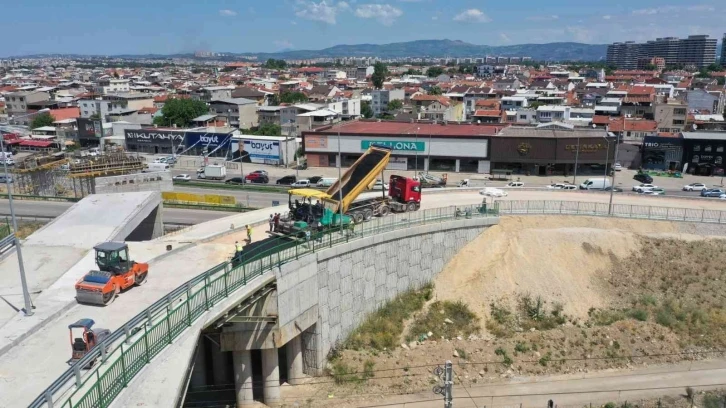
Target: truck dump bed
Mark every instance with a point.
(359, 176)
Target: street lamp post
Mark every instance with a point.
(612, 188)
(577, 157)
(23, 281)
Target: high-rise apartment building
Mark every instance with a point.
(723, 50)
(697, 50)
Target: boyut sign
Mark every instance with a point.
(395, 145)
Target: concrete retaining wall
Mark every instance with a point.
(349, 281)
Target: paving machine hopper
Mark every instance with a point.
(116, 272)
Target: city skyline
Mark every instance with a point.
(163, 27)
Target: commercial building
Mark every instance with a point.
(662, 153)
(215, 142)
(703, 153)
(696, 50)
(553, 148)
(416, 146)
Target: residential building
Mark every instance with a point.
(671, 116)
(16, 104)
(113, 85)
(288, 115)
(657, 62)
(209, 93)
(506, 84)
(317, 118)
(346, 108)
(437, 108)
(269, 115)
(510, 103)
(696, 50)
(238, 112)
(723, 51)
(322, 93)
(632, 131)
(381, 98)
(558, 113)
(256, 95)
(472, 96)
(701, 100)
(487, 116)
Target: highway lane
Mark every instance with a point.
(256, 199)
(56, 208)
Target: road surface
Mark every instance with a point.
(46, 209)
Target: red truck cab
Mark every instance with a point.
(405, 190)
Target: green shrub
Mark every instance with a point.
(639, 314)
(383, 328)
(463, 321)
(545, 359)
(521, 348)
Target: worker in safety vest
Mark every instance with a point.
(249, 233)
(237, 247)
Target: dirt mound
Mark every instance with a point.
(564, 260)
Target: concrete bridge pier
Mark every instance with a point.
(271, 376)
(220, 361)
(294, 360)
(243, 378)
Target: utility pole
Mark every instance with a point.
(23, 281)
(447, 375)
(577, 156)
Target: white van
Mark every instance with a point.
(151, 167)
(599, 183)
(326, 181)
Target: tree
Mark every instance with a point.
(275, 64)
(412, 71)
(293, 97)
(435, 90)
(180, 112)
(365, 109)
(44, 119)
(721, 81)
(394, 105)
(433, 72)
(379, 75)
(703, 74)
(269, 129)
(715, 68)
(650, 67)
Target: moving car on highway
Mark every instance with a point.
(286, 180)
(182, 177)
(643, 178)
(694, 187)
(654, 191)
(314, 179)
(515, 184)
(301, 183)
(712, 192)
(493, 192)
(235, 180)
(643, 187)
(258, 176)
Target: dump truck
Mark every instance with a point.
(310, 208)
(116, 272)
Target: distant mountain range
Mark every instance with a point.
(561, 51)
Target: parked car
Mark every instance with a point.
(379, 185)
(235, 180)
(171, 160)
(258, 177)
(326, 181)
(569, 187)
(617, 166)
(260, 172)
(643, 178)
(515, 184)
(614, 189)
(595, 183)
(712, 192)
(694, 187)
(160, 160)
(182, 177)
(9, 161)
(304, 183)
(493, 192)
(556, 186)
(4, 179)
(286, 180)
(722, 196)
(654, 191)
(642, 187)
(314, 179)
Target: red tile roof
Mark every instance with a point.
(484, 112)
(601, 120)
(488, 103)
(65, 113)
(390, 128)
(150, 110)
(36, 143)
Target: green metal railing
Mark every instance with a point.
(121, 356)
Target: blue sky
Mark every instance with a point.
(172, 26)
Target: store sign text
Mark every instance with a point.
(395, 145)
(591, 147)
(150, 136)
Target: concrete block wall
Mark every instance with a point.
(349, 281)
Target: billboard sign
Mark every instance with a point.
(208, 140)
(91, 129)
(316, 142)
(259, 151)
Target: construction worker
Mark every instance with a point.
(237, 247)
(249, 233)
(272, 222)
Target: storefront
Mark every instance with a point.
(416, 146)
(662, 153)
(552, 150)
(90, 132)
(704, 153)
(154, 141)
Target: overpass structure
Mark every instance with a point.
(285, 296)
